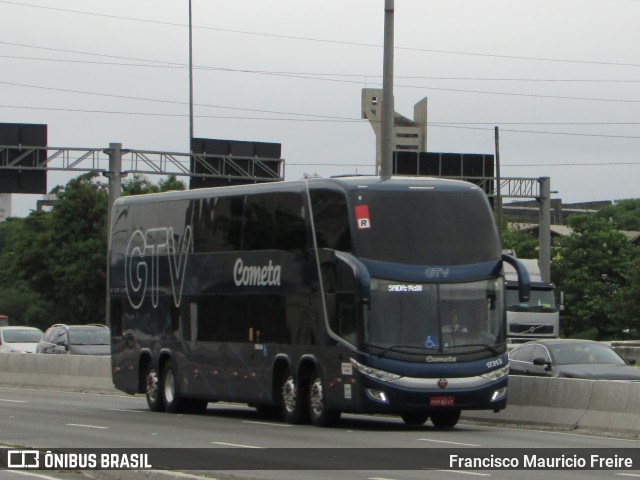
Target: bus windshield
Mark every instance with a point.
(420, 227)
(435, 318)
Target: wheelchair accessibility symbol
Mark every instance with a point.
(431, 342)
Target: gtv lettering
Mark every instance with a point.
(142, 263)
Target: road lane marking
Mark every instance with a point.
(583, 435)
(637, 475)
(449, 443)
(235, 445)
(462, 472)
(268, 423)
(85, 426)
(125, 410)
(34, 475)
(12, 401)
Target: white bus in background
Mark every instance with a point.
(537, 318)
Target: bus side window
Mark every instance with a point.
(226, 230)
(257, 229)
(331, 219)
(289, 223)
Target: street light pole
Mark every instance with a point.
(386, 160)
(190, 78)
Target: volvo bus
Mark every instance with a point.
(312, 298)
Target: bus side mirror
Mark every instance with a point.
(361, 275)
(524, 282)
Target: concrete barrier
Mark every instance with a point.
(65, 372)
(602, 405)
(609, 406)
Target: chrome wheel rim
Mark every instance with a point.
(289, 396)
(316, 397)
(152, 386)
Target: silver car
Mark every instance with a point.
(19, 339)
(92, 339)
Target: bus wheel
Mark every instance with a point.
(320, 415)
(445, 419)
(169, 390)
(293, 401)
(414, 418)
(152, 391)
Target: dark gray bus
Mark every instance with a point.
(311, 298)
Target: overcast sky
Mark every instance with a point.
(559, 78)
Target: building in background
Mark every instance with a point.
(408, 135)
(5, 206)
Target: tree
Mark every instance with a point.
(624, 215)
(53, 263)
(592, 267)
(24, 270)
(522, 243)
(171, 183)
(138, 184)
(78, 253)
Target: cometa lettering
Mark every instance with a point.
(256, 275)
(449, 359)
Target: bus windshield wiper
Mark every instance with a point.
(395, 348)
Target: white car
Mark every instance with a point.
(19, 339)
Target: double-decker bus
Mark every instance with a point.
(312, 298)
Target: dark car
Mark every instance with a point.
(571, 359)
(92, 339)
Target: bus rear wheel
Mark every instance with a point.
(415, 418)
(320, 415)
(152, 391)
(445, 419)
(173, 401)
(169, 388)
(293, 401)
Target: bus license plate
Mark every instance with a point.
(442, 401)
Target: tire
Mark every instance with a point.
(320, 415)
(415, 418)
(293, 401)
(173, 403)
(152, 391)
(445, 418)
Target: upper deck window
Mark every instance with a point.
(424, 226)
(331, 219)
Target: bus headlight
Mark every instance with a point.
(498, 395)
(497, 374)
(374, 372)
